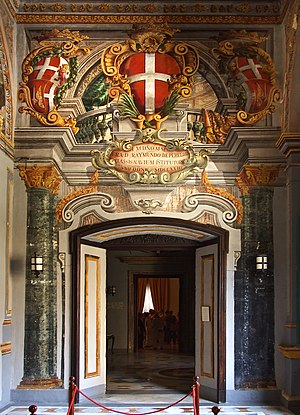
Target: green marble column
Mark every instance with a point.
(40, 345)
(254, 288)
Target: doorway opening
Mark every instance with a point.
(168, 361)
(139, 241)
(156, 315)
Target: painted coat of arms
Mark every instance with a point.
(148, 74)
(47, 72)
(48, 75)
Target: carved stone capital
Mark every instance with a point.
(259, 175)
(40, 176)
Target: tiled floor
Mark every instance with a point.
(148, 382)
(150, 371)
(139, 410)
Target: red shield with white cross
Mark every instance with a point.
(148, 75)
(47, 76)
(250, 73)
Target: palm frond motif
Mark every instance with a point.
(127, 106)
(170, 103)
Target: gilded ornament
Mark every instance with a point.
(290, 352)
(58, 7)
(71, 196)
(257, 175)
(223, 193)
(62, 34)
(104, 8)
(149, 8)
(142, 19)
(41, 176)
(6, 110)
(76, 193)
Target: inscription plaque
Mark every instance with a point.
(150, 159)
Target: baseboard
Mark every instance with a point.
(253, 397)
(39, 396)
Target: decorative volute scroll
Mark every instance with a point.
(82, 198)
(229, 211)
(40, 176)
(230, 206)
(103, 200)
(47, 72)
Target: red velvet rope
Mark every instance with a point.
(125, 413)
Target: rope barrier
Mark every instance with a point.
(73, 390)
(130, 413)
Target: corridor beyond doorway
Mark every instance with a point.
(149, 372)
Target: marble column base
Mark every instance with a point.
(40, 383)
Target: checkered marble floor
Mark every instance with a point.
(139, 410)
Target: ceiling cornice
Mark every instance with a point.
(260, 12)
(43, 18)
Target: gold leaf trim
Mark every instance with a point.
(121, 19)
(156, 39)
(224, 193)
(63, 202)
(5, 348)
(40, 176)
(290, 352)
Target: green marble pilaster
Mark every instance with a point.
(40, 349)
(254, 294)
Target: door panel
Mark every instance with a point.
(207, 355)
(92, 367)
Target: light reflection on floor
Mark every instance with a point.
(150, 371)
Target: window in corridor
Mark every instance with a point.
(148, 302)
